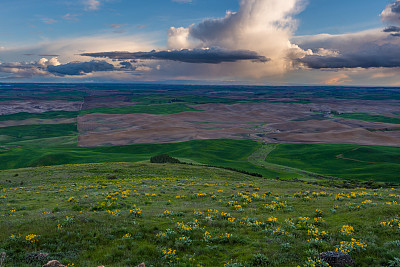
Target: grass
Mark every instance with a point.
(187, 99)
(122, 214)
(345, 161)
(149, 109)
(221, 152)
(44, 115)
(369, 117)
(32, 132)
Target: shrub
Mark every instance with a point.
(164, 158)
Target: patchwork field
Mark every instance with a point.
(269, 176)
(122, 214)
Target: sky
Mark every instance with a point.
(263, 42)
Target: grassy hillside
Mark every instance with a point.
(31, 132)
(222, 152)
(345, 161)
(122, 214)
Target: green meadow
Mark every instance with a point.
(369, 117)
(224, 153)
(345, 161)
(44, 115)
(122, 214)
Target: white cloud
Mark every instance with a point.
(391, 14)
(262, 26)
(92, 4)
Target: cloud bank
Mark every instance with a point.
(252, 42)
(210, 56)
(80, 68)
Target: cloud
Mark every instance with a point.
(28, 69)
(368, 49)
(116, 26)
(71, 17)
(392, 29)
(262, 26)
(92, 4)
(391, 14)
(211, 55)
(49, 21)
(80, 68)
(68, 49)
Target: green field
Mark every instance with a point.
(225, 153)
(369, 117)
(345, 161)
(122, 214)
(44, 115)
(33, 132)
(148, 109)
(186, 99)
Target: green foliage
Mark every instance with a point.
(148, 109)
(164, 158)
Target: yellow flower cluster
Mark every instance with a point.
(168, 253)
(207, 236)
(315, 232)
(127, 236)
(350, 246)
(276, 205)
(184, 227)
(32, 238)
(113, 212)
(136, 212)
(347, 230)
(393, 223)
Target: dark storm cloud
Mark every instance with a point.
(396, 7)
(392, 29)
(372, 56)
(80, 68)
(211, 56)
(126, 65)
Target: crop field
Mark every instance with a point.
(369, 117)
(31, 132)
(44, 115)
(149, 109)
(122, 214)
(344, 161)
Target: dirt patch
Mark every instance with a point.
(109, 102)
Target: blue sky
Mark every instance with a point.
(36, 34)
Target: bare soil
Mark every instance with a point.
(270, 122)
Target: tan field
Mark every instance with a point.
(271, 122)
